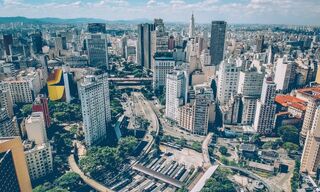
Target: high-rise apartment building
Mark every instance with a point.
(14, 174)
(39, 159)
(6, 101)
(144, 45)
(310, 160)
(159, 40)
(95, 105)
(285, 74)
(228, 76)
(312, 96)
(266, 108)
(217, 42)
(97, 48)
(8, 126)
(176, 93)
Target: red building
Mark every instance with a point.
(40, 104)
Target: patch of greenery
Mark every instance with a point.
(108, 159)
(219, 182)
(295, 179)
(70, 181)
(62, 112)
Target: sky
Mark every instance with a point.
(305, 12)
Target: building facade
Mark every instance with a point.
(95, 105)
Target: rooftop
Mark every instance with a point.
(313, 92)
(288, 100)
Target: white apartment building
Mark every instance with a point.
(176, 93)
(228, 76)
(95, 105)
(284, 73)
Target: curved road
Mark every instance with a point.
(148, 111)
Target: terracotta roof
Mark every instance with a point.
(291, 101)
(311, 92)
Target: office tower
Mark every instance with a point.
(95, 104)
(285, 74)
(227, 80)
(171, 43)
(40, 104)
(266, 108)
(164, 63)
(144, 45)
(7, 43)
(159, 40)
(39, 159)
(36, 128)
(6, 101)
(96, 27)
(312, 97)
(37, 42)
(158, 22)
(58, 45)
(176, 93)
(203, 109)
(218, 35)
(310, 157)
(14, 174)
(97, 48)
(259, 44)
(191, 27)
(8, 126)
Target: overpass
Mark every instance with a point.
(130, 81)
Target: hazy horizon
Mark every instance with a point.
(290, 12)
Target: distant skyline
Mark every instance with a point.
(305, 12)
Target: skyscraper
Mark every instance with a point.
(14, 174)
(227, 80)
(95, 105)
(259, 43)
(218, 35)
(191, 27)
(176, 93)
(266, 108)
(97, 28)
(144, 45)
(97, 48)
(36, 128)
(7, 43)
(37, 42)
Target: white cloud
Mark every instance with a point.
(253, 11)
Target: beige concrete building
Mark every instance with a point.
(312, 96)
(310, 159)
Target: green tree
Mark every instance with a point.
(223, 150)
(26, 110)
(69, 180)
(289, 133)
(290, 146)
